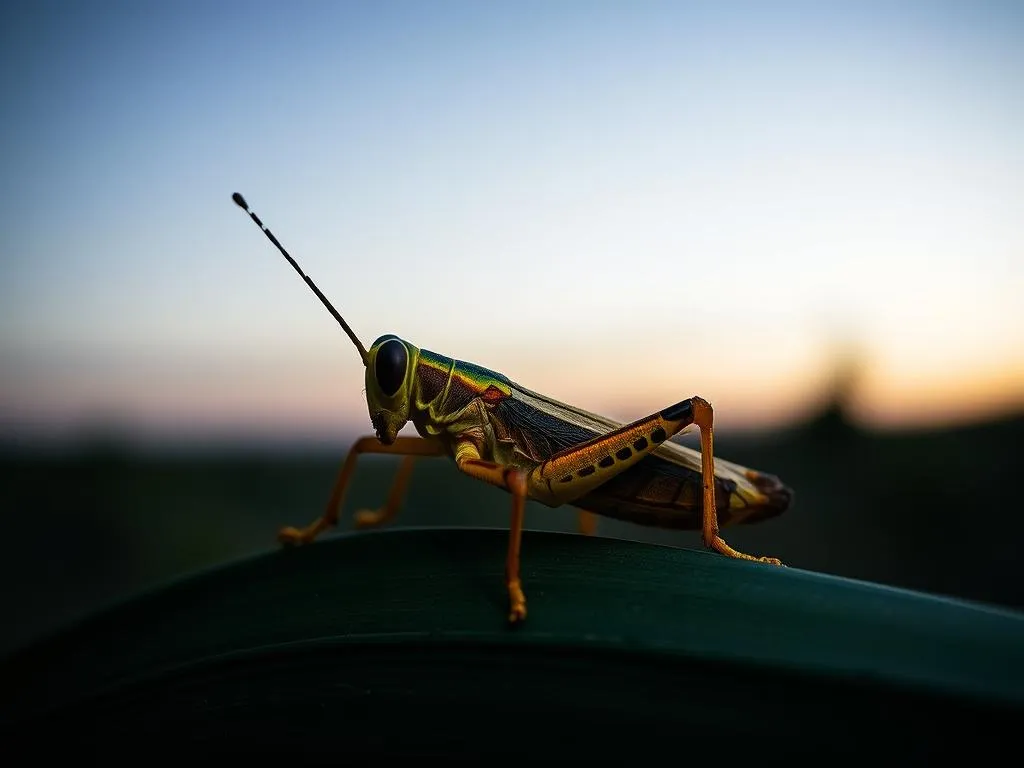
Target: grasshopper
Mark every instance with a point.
(533, 446)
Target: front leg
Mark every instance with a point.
(467, 458)
(576, 471)
(403, 446)
(371, 518)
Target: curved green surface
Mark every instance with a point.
(395, 643)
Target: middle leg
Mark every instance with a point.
(512, 479)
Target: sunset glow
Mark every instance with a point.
(617, 206)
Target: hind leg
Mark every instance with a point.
(573, 472)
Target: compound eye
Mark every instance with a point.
(389, 366)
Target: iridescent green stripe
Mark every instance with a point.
(469, 375)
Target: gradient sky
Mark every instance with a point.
(619, 204)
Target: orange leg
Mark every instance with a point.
(370, 518)
(703, 417)
(403, 446)
(514, 481)
(573, 472)
(587, 522)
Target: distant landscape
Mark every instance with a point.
(936, 511)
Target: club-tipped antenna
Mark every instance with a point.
(240, 202)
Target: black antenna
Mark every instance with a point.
(240, 202)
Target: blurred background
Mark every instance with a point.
(810, 214)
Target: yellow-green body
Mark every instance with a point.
(473, 410)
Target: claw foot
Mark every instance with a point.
(292, 537)
(368, 518)
(518, 613)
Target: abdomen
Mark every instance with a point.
(664, 494)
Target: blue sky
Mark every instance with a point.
(616, 203)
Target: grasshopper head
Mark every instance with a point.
(390, 367)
